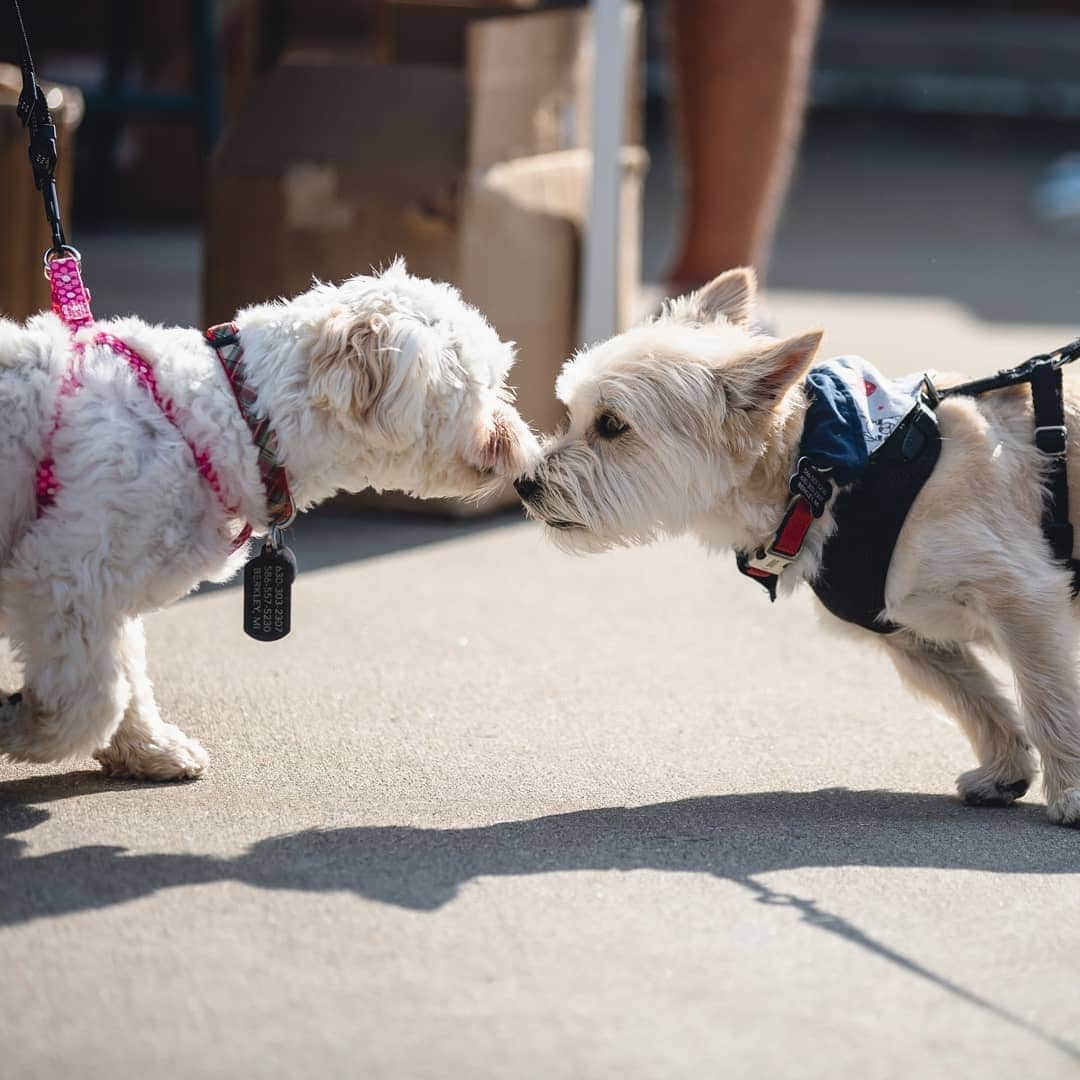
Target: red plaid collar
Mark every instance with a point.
(225, 341)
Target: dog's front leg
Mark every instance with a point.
(954, 677)
(1035, 634)
(144, 747)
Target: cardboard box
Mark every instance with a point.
(358, 163)
(520, 250)
(23, 288)
(480, 177)
(530, 80)
(435, 31)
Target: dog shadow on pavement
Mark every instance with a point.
(737, 837)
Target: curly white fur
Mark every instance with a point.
(387, 381)
(692, 423)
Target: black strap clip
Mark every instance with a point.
(43, 155)
(1052, 439)
(33, 111)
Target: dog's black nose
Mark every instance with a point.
(526, 487)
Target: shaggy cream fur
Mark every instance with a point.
(690, 422)
(387, 381)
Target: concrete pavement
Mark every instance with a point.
(493, 811)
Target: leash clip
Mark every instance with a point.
(33, 112)
(1066, 354)
(930, 392)
(58, 251)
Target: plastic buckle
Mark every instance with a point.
(1052, 439)
(770, 560)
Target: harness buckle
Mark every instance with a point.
(1052, 440)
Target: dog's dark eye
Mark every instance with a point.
(609, 426)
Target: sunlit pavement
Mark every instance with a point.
(495, 812)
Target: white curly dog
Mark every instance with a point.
(387, 381)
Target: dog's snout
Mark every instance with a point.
(527, 487)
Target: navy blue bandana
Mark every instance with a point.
(853, 409)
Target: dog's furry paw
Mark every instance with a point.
(12, 707)
(1065, 809)
(168, 755)
(16, 729)
(984, 787)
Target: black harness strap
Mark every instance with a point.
(33, 111)
(1051, 438)
(869, 516)
(1043, 373)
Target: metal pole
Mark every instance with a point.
(599, 284)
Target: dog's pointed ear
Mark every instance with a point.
(760, 380)
(730, 296)
(358, 375)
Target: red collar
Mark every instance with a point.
(767, 564)
(811, 489)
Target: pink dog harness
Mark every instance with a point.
(71, 302)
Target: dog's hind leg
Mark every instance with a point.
(955, 678)
(144, 747)
(1035, 633)
(75, 687)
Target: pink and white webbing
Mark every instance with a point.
(71, 302)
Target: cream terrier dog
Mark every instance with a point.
(388, 381)
(691, 422)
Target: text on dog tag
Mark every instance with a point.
(268, 580)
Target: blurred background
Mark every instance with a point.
(904, 173)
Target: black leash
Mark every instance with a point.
(33, 111)
(1022, 373)
(1043, 372)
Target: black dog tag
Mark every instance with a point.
(813, 484)
(268, 580)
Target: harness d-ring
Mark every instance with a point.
(60, 251)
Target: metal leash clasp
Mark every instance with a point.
(1066, 354)
(58, 251)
